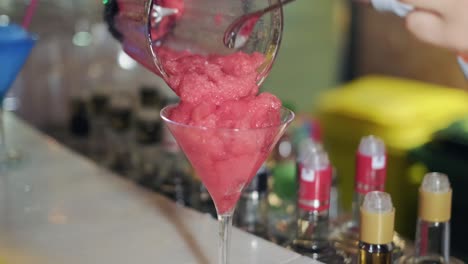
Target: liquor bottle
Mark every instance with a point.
(310, 144)
(377, 218)
(282, 189)
(120, 114)
(370, 176)
(99, 104)
(371, 172)
(312, 232)
(433, 224)
(201, 199)
(335, 202)
(150, 97)
(79, 124)
(148, 147)
(174, 179)
(148, 136)
(251, 211)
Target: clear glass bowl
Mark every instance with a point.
(146, 27)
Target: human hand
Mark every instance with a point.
(440, 22)
(443, 23)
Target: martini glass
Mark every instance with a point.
(226, 159)
(15, 47)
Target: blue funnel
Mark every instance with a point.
(15, 46)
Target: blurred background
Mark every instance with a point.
(325, 43)
(347, 70)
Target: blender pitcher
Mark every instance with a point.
(146, 28)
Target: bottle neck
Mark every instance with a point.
(334, 210)
(433, 240)
(315, 179)
(251, 209)
(312, 226)
(250, 212)
(371, 173)
(375, 254)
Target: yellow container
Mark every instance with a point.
(405, 114)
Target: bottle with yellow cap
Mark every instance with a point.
(377, 228)
(433, 226)
(370, 175)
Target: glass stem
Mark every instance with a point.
(225, 226)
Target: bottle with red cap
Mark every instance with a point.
(308, 145)
(312, 234)
(370, 175)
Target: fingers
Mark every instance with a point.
(440, 22)
(426, 26)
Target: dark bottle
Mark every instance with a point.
(251, 212)
(99, 104)
(174, 179)
(150, 97)
(282, 194)
(120, 117)
(148, 149)
(79, 124)
(201, 198)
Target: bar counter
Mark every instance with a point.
(58, 207)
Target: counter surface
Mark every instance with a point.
(58, 207)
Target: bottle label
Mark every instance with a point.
(314, 188)
(371, 173)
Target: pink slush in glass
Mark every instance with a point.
(225, 128)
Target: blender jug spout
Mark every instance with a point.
(160, 33)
